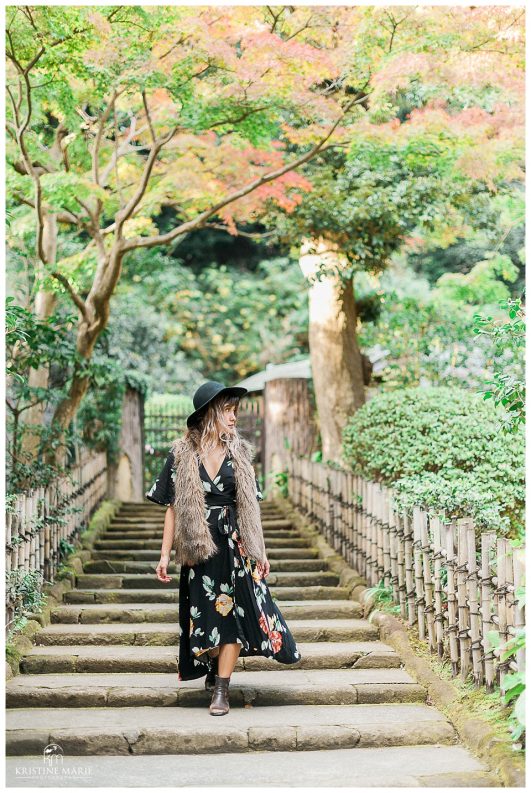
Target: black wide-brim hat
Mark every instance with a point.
(206, 393)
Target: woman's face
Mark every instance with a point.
(229, 414)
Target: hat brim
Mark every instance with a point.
(229, 391)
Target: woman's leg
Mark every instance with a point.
(228, 655)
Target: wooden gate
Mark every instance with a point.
(162, 426)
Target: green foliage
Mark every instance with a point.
(231, 323)
(100, 416)
(24, 590)
(32, 343)
(438, 347)
(65, 548)
(439, 448)
(508, 387)
(513, 684)
(280, 480)
(371, 199)
(482, 284)
(174, 403)
(383, 597)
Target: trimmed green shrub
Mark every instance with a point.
(439, 448)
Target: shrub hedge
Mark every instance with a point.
(441, 448)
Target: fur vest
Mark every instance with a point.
(192, 540)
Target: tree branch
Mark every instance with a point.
(253, 235)
(125, 213)
(62, 217)
(99, 134)
(199, 220)
(119, 151)
(148, 116)
(78, 300)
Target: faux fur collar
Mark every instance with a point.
(193, 541)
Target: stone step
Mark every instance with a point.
(131, 524)
(171, 595)
(151, 507)
(157, 633)
(141, 581)
(153, 546)
(152, 532)
(435, 765)
(103, 563)
(119, 658)
(156, 730)
(91, 613)
(279, 688)
(271, 541)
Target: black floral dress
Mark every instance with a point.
(224, 599)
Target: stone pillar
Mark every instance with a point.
(288, 423)
(126, 477)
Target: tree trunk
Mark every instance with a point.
(336, 361)
(97, 307)
(45, 303)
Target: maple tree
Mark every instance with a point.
(443, 133)
(116, 114)
(113, 114)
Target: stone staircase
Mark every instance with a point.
(102, 683)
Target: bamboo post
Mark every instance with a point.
(343, 522)
(373, 532)
(393, 547)
(419, 580)
(336, 510)
(488, 543)
(380, 569)
(428, 580)
(362, 525)
(435, 525)
(452, 597)
(475, 615)
(408, 563)
(519, 611)
(501, 590)
(358, 518)
(351, 516)
(509, 576)
(386, 537)
(403, 588)
(462, 601)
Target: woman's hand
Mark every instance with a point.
(162, 568)
(263, 568)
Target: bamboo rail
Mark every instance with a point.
(451, 590)
(41, 520)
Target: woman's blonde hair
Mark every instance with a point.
(211, 428)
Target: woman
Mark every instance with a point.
(213, 523)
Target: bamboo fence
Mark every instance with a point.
(453, 591)
(41, 519)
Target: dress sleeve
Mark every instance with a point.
(163, 490)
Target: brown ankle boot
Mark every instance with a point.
(219, 705)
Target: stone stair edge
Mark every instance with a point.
(475, 733)
(411, 724)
